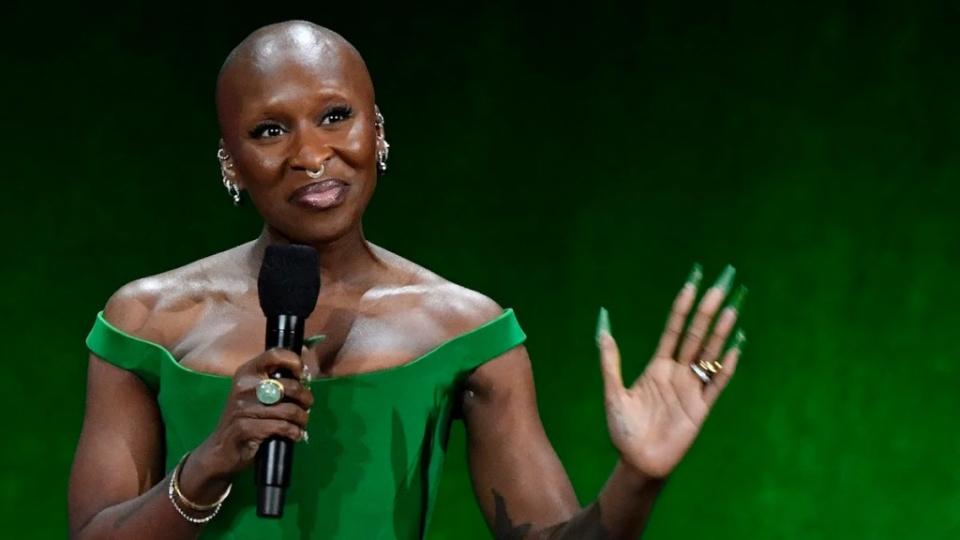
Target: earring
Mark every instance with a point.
(226, 170)
(383, 147)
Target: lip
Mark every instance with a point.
(321, 195)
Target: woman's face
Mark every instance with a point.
(288, 109)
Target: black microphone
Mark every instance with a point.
(288, 284)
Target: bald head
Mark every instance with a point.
(272, 50)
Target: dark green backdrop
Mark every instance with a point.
(555, 158)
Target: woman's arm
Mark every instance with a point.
(117, 487)
(517, 477)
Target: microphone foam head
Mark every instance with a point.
(289, 280)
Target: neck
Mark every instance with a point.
(347, 260)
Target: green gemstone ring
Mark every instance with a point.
(269, 391)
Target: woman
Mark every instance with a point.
(177, 406)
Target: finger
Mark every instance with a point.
(730, 359)
(289, 412)
(678, 314)
(721, 331)
(257, 430)
(293, 390)
(609, 355)
(706, 311)
(282, 361)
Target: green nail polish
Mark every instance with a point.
(726, 278)
(696, 274)
(313, 340)
(603, 323)
(738, 340)
(736, 302)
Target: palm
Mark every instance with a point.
(655, 420)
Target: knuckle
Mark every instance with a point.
(284, 355)
(242, 426)
(724, 325)
(276, 355)
(308, 399)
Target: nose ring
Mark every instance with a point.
(317, 173)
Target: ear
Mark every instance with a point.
(226, 165)
(379, 124)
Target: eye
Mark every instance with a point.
(267, 130)
(335, 114)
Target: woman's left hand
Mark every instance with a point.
(655, 420)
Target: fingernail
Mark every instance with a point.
(726, 278)
(603, 323)
(305, 376)
(736, 302)
(696, 275)
(313, 340)
(739, 339)
(305, 437)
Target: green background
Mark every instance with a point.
(556, 159)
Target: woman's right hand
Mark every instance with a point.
(246, 423)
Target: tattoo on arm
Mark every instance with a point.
(503, 528)
(586, 525)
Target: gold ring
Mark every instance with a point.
(706, 370)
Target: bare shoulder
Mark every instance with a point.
(160, 307)
(456, 308)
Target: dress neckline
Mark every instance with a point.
(507, 314)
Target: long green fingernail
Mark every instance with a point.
(726, 278)
(739, 339)
(603, 323)
(696, 275)
(313, 340)
(736, 301)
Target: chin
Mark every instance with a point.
(318, 227)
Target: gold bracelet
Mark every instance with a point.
(184, 514)
(175, 489)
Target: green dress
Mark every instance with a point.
(377, 440)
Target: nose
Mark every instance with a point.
(311, 150)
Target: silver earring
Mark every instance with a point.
(233, 190)
(383, 147)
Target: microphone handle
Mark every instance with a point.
(275, 455)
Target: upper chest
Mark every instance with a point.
(359, 337)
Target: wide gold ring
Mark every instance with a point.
(706, 370)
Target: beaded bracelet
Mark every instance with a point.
(173, 491)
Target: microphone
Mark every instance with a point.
(288, 285)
